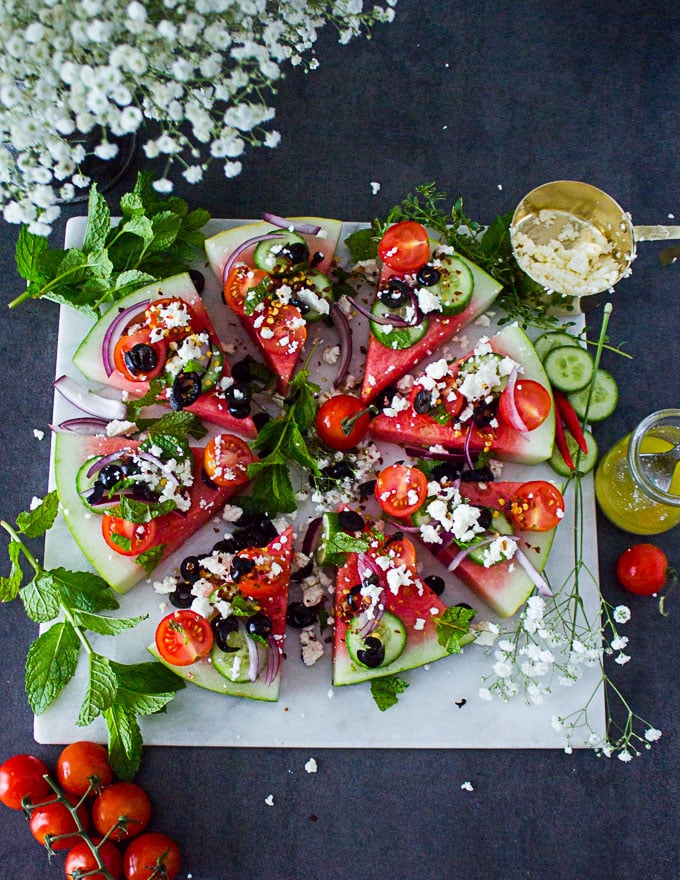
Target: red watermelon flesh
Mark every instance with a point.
(71, 451)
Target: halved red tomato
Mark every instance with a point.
(400, 490)
(225, 460)
(537, 506)
(172, 315)
(137, 358)
(128, 538)
(402, 551)
(532, 403)
(265, 578)
(183, 637)
(283, 330)
(239, 281)
(405, 246)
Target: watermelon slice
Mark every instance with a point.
(504, 586)
(89, 358)
(266, 687)
(402, 425)
(282, 358)
(416, 609)
(71, 451)
(384, 365)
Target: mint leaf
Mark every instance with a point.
(107, 626)
(9, 586)
(50, 665)
(146, 678)
(101, 690)
(341, 542)
(125, 741)
(166, 225)
(36, 522)
(362, 245)
(256, 295)
(134, 407)
(179, 425)
(29, 250)
(452, 626)
(144, 704)
(385, 691)
(150, 558)
(80, 589)
(41, 599)
(296, 448)
(98, 221)
(139, 512)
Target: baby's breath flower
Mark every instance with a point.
(652, 734)
(621, 614)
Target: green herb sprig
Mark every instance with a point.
(73, 602)
(155, 238)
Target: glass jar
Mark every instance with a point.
(626, 494)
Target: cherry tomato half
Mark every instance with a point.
(266, 578)
(122, 804)
(400, 490)
(532, 402)
(537, 506)
(405, 246)
(81, 858)
(56, 820)
(183, 637)
(283, 330)
(127, 538)
(332, 414)
(83, 766)
(137, 358)
(152, 855)
(226, 459)
(21, 776)
(171, 315)
(239, 281)
(642, 569)
(402, 552)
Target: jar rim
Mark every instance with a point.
(660, 418)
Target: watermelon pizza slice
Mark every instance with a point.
(130, 503)
(274, 278)
(496, 399)
(161, 337)
(426, 293)
(226, 633)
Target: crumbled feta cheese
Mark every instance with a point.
(38, 434)
(375, 187)
(311, 766)
(311, 647)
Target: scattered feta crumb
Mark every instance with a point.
(120, 428)
(38, 434)
(311, 766)
(375, 187)
(269, 800)
(35, 502)
(231, 513)
(467, 786)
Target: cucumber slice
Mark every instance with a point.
(390, 631)
(501, 526)
(280, 255)
(233, 665)
(85, 483)
(214, 372)
(569, 368)
(313, 290)
(455, 285)
(554, 339)
(330, 526)
(584, 462)
(396, 337)
(603, 401)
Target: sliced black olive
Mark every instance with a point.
(485, 517)
(255, 534)
(340, 470)
(463, 605)
(186, 389)
(371, 580)
(240, 566)
(354, 599)
(476, 475)
(110, 475)
(316, 259)
(385, 397)
(484, 413)
(260, 419)
(259, 625)
(190, 568)
(198, 279)
(225, 545)
(435, 583)
(181, 596)
(296, 252)
(395, 294)
(241, 372)
(299, 615)
(96, 493)
(141, 358)
(373, 654)
(422, 402)
(238, 400)
(222, 628)
(428, 276)
(396, 536)
(367, 489)
(303, 572)
(445, 470)
(350, 521)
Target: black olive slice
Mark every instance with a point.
(373, 654)
(435, 583)
(350, 521)
(259, 625)
(299, 615)
(186, 389)
(428, 276)
(222, 628)
(141, 358)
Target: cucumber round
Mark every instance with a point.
(603, 401)
(455, 285)
(214, 372)
(569, 368)
(84, 484)
(585, 461)
(396, 337)
(501, 526)
(273, 254)
(312, 289)
(330, 526)
(234, 664)
(389, 630)
(554, 339)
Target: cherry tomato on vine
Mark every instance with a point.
(537, 506)
(56, 820)
(81, 858)
(532, 402)
(79, 763)
(405, 246)
(149, 853)
(330, 418)
(400, 490)
(125, 803)
(22, 776)
(183, 637)
(226, 459)
(127, 538)
(642, 569)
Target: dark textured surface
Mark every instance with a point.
(489, 100)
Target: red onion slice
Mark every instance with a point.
(514, 418)
(465, 551)
(394, 321)
(283, 223)
(234, 255)
(273, 666)
(341, 325)
(111, 335)
(82, 426)
(253, 655)
(536, 578)
(312, 535)
(88, 401)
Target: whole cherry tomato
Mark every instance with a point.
(330, 418)
(56, 820)
(22, 776)
(642, 569)
(84, 766)
(81, 858)
(125, 803)
(149, 853)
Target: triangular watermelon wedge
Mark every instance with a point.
(71, 452)
(415, 607)
(266, 687)
(384, 365)
(90, 358)
(282, 358)
(402, 425)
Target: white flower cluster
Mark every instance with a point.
(74, 71)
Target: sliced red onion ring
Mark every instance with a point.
(514, 418)
(341, 325)
(366, 566)
(414, 452)
(233, 257)
(141, 454)
(283, 223)
(536, 578)
(82, 426)
(111, 335)
(253, 655)
(88, 401)
(312, 535)
(466, 446)
(97, 465)
(394, 321)
(273, 664)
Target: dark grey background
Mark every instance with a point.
(488, 99)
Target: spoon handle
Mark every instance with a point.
(656, 233)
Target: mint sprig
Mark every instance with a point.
(73, 602)
(385, 691)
